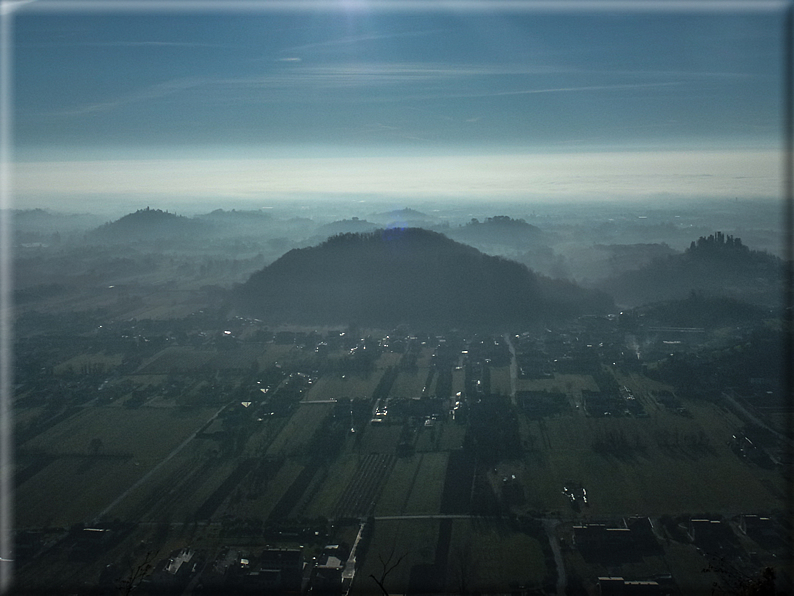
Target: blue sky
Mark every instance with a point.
(219, 97)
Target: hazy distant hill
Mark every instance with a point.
(701, 311)
(590, 263)
(500, 230)
(346, 226)
(404, 218)
(236, 217)
(150, 224)
(46, 221)
(716, 265)
(407, 276)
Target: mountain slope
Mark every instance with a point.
(409, 275)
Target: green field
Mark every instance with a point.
(428, 484)
(101, 360)
(178, 489)
(262, 504)
(55, 497)
(415, 540)
(571, 385)
(487, 556)
(651, 480)
(148, 434)
(177, 358)
(409, 384)
(380, 438)
(335, 481)
(298, 431)
(482, 555)
(351, 387)
(500, 380)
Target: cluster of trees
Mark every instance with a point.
(715, 242)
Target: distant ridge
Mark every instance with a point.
(497, 230)
(409, 275)
(717, 265)
(148, 224)
(344, 226)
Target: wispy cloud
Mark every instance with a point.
(355, 39)
(567, 89)
(55, 43)
(147, 94)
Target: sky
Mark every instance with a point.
(446, 99)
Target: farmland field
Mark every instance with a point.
(298, 431)
(48, 499)
(146, 433)
(381, 438)
(428, 484)
(398, 486)
(176, 359)
(569, 384)
(351, 387)
(500, 380)
(409, 383)
(490, 556)
(651, 479)
(415, 540)
(259, 505)
(336, 480)
(76, 363)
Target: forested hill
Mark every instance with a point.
(410, 276)
(501, 230)
(149, 224)
(717, 265)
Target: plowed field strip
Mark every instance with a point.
(363, 489)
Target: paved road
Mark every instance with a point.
(349, 572)
(562, 578)
(513, 368)
(428, 516)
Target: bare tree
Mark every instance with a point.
(386, 568)
(136, 574)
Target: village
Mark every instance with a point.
(217, 454)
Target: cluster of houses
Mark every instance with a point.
(246, 571)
